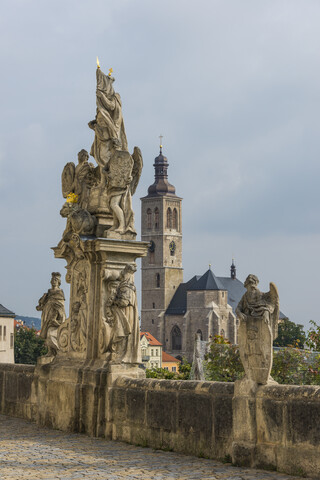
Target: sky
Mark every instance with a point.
(234, 88)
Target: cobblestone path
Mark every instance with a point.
(31, 452)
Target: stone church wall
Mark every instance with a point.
(184, 416)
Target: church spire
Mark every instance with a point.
(161, 186)
(233, 270)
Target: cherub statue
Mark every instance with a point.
(53, 313)
(79, 220)
(258, 314)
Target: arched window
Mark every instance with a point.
(156, 218)
(222, 333)
(176, 338)
(158, 280)
(149, 218)
(175, 219)
(169, 218)
(200, 333)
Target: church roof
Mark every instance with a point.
(208, 281)
(4, 312)
(161, 185)
(235, 288)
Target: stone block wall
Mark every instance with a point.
(288, 428)
(193, 417)
(16, 391)
(184, 416)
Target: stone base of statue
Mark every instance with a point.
(98, 342)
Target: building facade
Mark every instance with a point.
(6, 335)
(151, 350)
(171, 310)
(161, 225)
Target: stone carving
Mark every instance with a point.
(53, 313)
(72, 334)
(119, 335)
(198, 357)
(79, 220)
(123, 172)
(108, 125)
(258, 314)
(80, 179)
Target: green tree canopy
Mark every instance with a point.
(28, 346)
(290, 334)
(313, 340)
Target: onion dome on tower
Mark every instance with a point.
(161, 186)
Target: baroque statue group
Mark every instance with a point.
(99, 246)
(103, 320)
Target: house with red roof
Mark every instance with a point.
(151, 350)
(170, 363)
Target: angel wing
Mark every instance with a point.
(137, 169)
(274, 296)
(67, 179)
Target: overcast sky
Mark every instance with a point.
(234, 87)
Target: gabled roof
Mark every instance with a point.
(151, 340)
(178, 304)
(4, 312)
(208, 281)
(169, 358)
(235, 288)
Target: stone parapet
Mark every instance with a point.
(272, 426)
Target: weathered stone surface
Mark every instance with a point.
(258, 314)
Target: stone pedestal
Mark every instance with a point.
(244, 422)
(71, 388)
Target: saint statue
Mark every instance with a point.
(120, 322)
(108, 125)
(53, 313)
(258, 314)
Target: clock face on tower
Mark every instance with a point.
(172, 247)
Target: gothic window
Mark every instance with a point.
(222, 333)
(156, 218)
(175, 219)
(200, 333)
(153, 306)
(169, 218)
(176, 338)
(149, 218)
(152, 321)
(158, 280)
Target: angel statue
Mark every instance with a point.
(258, 314)
(79, 179)
(53, 314)
(123, 172)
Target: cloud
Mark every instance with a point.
(233, 87)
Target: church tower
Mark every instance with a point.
(161, 271)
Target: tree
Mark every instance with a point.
(290, 334)
(28, 346)
(223, 362)
(313, 340)
(183, 374)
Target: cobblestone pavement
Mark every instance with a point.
(31, 452)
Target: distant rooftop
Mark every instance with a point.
(4, 312)
(150, 338)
